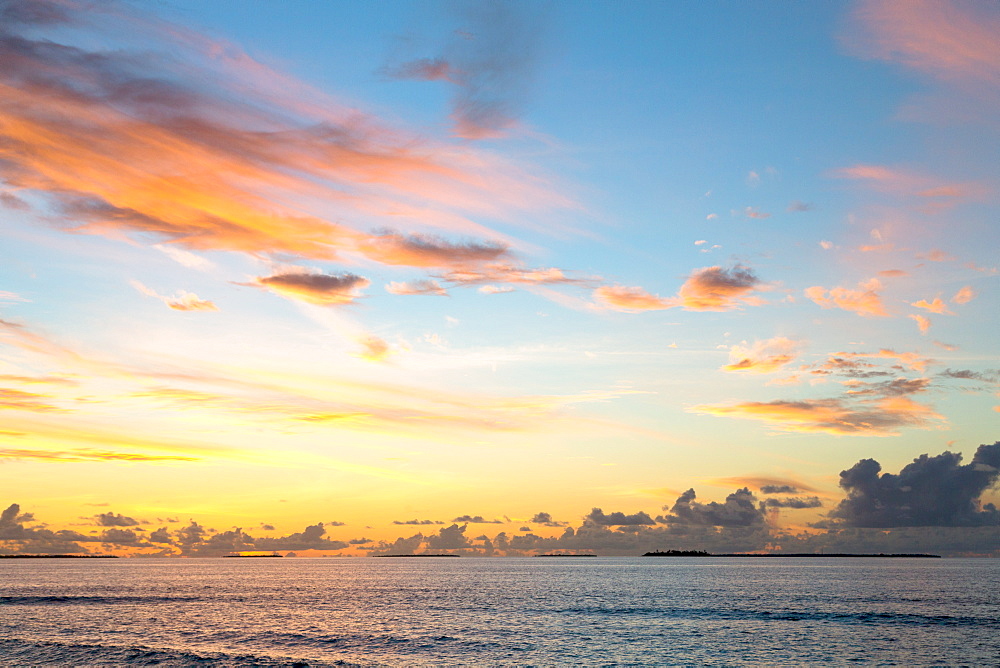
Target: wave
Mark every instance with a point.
(865, 618)
(27, 652)
(94, 600)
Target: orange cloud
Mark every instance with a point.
(315, 288)
(374, 349)
(157, 148)
(964, 295)
(882, 417)
(718, 289)
(923, 323)
(936, 306)
(26, 401)
(621, 298)
(865, 301)
(763, 356)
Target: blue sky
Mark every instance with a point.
(277, 264)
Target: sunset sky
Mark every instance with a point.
(325, 275)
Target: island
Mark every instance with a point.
(390, 556)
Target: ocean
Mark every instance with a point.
(500, 612)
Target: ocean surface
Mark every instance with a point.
(520, 612)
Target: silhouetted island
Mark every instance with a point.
(251, 556)
(678, 553)
(57, 556)
(384, 556)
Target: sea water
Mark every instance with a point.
(500, 611)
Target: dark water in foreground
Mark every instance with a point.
(615, 611)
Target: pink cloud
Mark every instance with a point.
(964, 295)
(936, 306)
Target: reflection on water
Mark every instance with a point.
(501, 611)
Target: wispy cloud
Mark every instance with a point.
(421, 287)
(881, 417)
(184, 301)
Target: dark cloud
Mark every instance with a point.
(778, 489)
(545, 519)
(525, 529)
(112, 520)
(417, 522)
(477, 519)
(315, 288)
(891, 388)
(360, 541)
(793, 502)
(988, 376)
(490, 63)
(930, 491)
(425, 250)
(739, 510)
(598, 517)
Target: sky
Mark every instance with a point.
(499, 278)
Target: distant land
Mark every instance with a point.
(389, 556)
(700, 553)
(57, 556)
(252, 556)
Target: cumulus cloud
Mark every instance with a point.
(598, 517)
(763, 356)
(311, 538)
(315, 288)
(739, 510)
(545, 519)
(112, 520)
(706, 289)
(865, 301)
(477, 519)
(421, 287)
(930, 491)
(718, 289)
